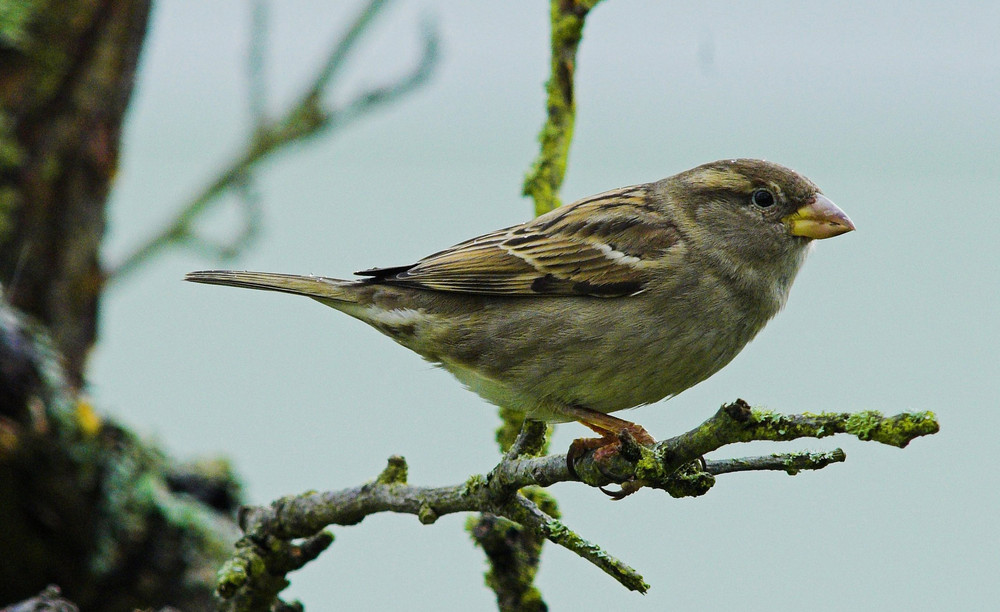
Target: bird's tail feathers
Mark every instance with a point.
(317, 287)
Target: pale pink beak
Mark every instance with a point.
(818, 219)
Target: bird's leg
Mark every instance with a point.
(610, 428)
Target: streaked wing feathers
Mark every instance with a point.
(604, 245)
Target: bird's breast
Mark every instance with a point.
(605, 354)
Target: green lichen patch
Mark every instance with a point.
(426, 515)
(862, 424)
(395, 471)
(472, 485)
(690, 480)
(900, 429)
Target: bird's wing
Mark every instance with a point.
(605, 245)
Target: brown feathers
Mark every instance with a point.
(603, 246)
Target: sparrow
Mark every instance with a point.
(615, 301)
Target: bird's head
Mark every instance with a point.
(758, 208)
(753, 218)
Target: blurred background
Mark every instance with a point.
(892, 108)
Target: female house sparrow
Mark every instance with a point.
(615, 301)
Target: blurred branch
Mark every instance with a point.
(313, 114)
(256, 56)
(255, 575)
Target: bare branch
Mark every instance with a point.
(790, 463)
(342, 49)
(256, 57)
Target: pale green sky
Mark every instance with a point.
(893, 109)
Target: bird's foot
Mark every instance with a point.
(625, 441)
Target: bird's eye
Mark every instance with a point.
(762, 198)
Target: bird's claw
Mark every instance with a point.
(581, 445)
(625, 442)
(624, 490)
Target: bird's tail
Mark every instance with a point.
(317, 287)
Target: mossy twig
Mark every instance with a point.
(546, 175)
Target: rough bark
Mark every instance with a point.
(66, 75)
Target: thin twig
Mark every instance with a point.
(790, 463)
(256, 58)
(527, 513)
(343, 48)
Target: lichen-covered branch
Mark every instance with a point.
(790, 463)
(311, 115)
(554, 530)
(512, 552)
(512, 549)
(546, 175)
(255, 575)
(267, 552)
(658, 466)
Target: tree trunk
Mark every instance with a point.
(84, 503)
(67, 70)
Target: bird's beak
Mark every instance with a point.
(818, 219)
